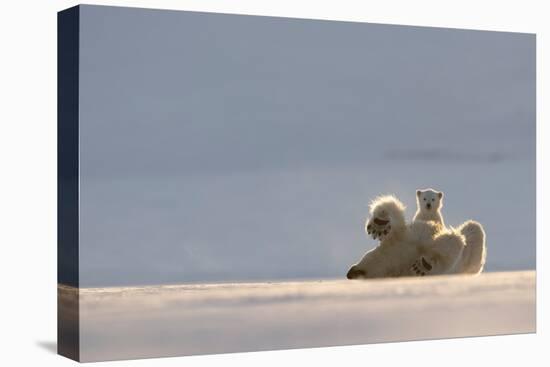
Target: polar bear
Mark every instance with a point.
(428, 206)
(417, 248)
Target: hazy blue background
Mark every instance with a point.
(225, 148)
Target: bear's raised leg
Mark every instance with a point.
(387, 215)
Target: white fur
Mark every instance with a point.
(422, 244)
(473, 258)
(428, 206)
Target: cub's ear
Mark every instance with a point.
(418, 192)
(440, 194)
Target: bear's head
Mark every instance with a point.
(429, 200)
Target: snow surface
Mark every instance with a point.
(170, 320)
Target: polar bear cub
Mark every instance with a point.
(429, 203)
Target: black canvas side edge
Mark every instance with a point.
(68, 23)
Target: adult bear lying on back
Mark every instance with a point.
(418, 248)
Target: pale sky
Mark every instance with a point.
(224, 148)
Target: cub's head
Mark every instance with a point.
(429, 200)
